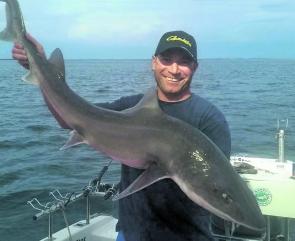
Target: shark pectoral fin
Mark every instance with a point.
(56, 58)
(147, 178)
(30, 78)
(74, 140)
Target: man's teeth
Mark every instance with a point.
(172, 79)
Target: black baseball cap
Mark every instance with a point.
(178, 39)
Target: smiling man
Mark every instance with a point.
(174, 64)
(162, 211)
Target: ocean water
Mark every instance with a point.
(252, 93)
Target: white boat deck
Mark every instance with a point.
(272, 185)
(100, 228)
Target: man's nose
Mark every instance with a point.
(174, 68)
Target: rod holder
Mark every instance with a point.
(281, 139)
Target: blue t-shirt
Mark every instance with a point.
(162, 212)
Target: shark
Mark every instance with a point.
(141, 137)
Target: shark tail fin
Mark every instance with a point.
(8, 34)
(74, 140)
(147, 178)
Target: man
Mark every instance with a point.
(162, 212)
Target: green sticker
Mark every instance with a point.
(263, 196)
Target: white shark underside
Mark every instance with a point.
(142, 137)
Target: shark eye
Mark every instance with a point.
(219, 191)
(215, 188)
(227, 198)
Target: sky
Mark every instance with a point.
(130, 29)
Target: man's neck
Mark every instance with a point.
(174, 97)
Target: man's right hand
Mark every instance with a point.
(19, 53)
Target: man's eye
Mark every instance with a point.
(166, 59)
(185, 62)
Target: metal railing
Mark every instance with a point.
(60, 201)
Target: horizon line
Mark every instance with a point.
(208, 58)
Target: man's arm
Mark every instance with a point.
(216, 128)
(123, 103)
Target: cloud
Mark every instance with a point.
(118, 23)
(113, 27)
(2, 16)
(126, 21)
(94, 21)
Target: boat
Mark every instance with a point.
(271, 180)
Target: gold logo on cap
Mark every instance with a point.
(176, 38)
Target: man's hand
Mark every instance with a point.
(19, 53)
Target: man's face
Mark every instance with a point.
(173, 71)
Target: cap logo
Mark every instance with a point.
(176, 38)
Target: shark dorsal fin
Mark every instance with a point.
(56, 58)
(149, 101)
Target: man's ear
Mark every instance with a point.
(153, 62)
(195, 66)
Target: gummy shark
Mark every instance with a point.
(142, 137)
